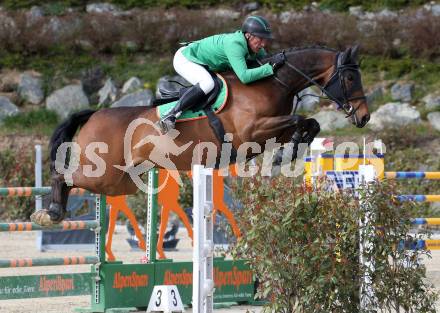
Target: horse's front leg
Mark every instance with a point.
(305, 132)
(264, 128)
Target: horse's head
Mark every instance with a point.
(344, 87)
(337, 74)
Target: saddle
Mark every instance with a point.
(170, 95)
(210, 106)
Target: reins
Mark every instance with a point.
(337, 74)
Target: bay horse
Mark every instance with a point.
(254, 113)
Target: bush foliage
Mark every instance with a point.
(304, 248)
(128, 4)
(158, 30)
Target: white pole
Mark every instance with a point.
(39, 183)
(203, 266)
(378, 145)
(367, 175)
(38, 176)
(365, 152)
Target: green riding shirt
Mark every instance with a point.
(227, 51)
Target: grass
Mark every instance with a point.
(376, 69)
(36, 122)
(148, 68)
(346, 131)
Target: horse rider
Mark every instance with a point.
(220, 53)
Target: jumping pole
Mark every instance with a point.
(203, 266)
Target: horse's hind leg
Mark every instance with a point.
(57, 208)
(59, 197)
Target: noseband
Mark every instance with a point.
(336, 93)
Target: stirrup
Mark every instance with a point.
(167, 123)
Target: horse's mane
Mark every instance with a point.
(311, 47)
(293, 50)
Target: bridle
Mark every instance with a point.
(334, 89)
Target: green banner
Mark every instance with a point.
(127, 285)
(38, 286)
(131, 285)
(179, 274)
(233, 280)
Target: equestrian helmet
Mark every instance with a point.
(258, 26)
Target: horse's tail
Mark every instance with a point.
(67, 129)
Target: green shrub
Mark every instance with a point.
(304, 248)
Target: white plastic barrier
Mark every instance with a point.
(203, 252)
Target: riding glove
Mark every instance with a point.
(277, 61)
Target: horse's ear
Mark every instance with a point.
(355, 54)
(346, 56)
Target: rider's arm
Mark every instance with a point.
(261, 53)
(236, 52)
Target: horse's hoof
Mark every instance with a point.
(275, 171)
(278, 158)
(42, 218)
(298, 119)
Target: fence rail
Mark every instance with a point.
(419, 198)
(66, 225)
(413, 175)
(34, 191)
(73, 260)
(426, 221)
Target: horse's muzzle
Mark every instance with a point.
(363, 121)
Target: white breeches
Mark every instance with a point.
(193, 72)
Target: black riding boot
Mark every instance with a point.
(190, 98)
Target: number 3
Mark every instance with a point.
(159, 295)
(173, 293)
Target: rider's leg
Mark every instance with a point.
(193, 72)
(202, 85)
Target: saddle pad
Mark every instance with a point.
(189, 114)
